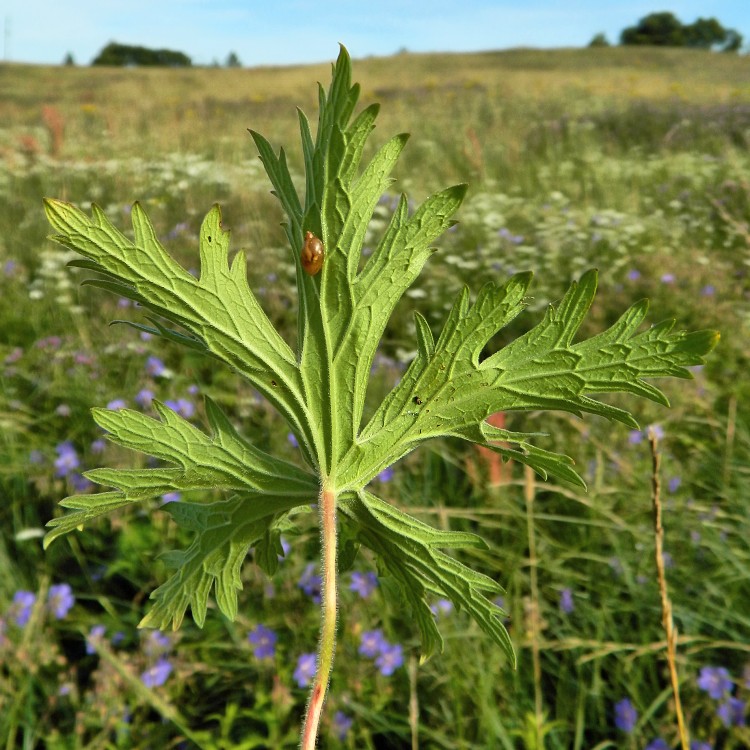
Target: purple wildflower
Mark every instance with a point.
(60, 600)
(67, 459)
(441, 607)
(182, 406)
(658, 431)
(658, 744)
(635, 437)
(708, 291)
(144, 397)
(95, 635)
(117, 404)
(566, 601)
(170, 497)
(715, 681)
(155, 367)
(667, 278)
(371, 643)
(634, 274)
(23, 603)
(264, 642)
(674, 483)
(386, 475)
(14, 356)
(292, 440)
(699, 745)
(97, 446)
(363, 583)
(310, 583)
(390, 659)
(156, 675)
(731, 711)
(305, 670)
(625, 715)
(79, 482)
(155, 643)
(341, 725)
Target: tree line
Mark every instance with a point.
(666, 30)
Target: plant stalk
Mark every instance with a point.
(529, 495)
(327, 643)
(666, 604)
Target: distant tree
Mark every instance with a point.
(129, 55)
(68, 59)
(705, 33)
(665, 30)
(599, 40)
(733, 41)
(658, 29)
(233, 61)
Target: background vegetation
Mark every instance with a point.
(633, 161)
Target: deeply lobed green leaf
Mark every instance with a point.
(447, 390)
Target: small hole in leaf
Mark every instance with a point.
(273, 383)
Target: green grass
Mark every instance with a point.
(635, 162)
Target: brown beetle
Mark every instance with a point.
(312, 254)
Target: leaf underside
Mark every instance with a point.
(320, 388)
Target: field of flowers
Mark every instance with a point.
(638, 165)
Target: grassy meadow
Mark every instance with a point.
(633, 161)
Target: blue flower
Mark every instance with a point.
(305, 670)
(566, 601)
(155, 367)
(182, 406)
(715, 681)
(170, 497)
(698, 745)
(390, 659)
(156, 643)
(144, 397)
(60, 600)
(625, 715)
(117, 404)
(95, 635)
(79, 482)
(67, 459)
(441, 607)
(363, 583)
(341, 725)
(310, 583)
(674, 484)
(23, 603)
(371, 642)
(658, 744)
(264, 641)
(292, 440)
(732, 712)
(386, 475)
(156, 675)
(98, 446)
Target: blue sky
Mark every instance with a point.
(279, 32)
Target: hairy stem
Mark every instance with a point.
(327, 644)
(529, 495)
